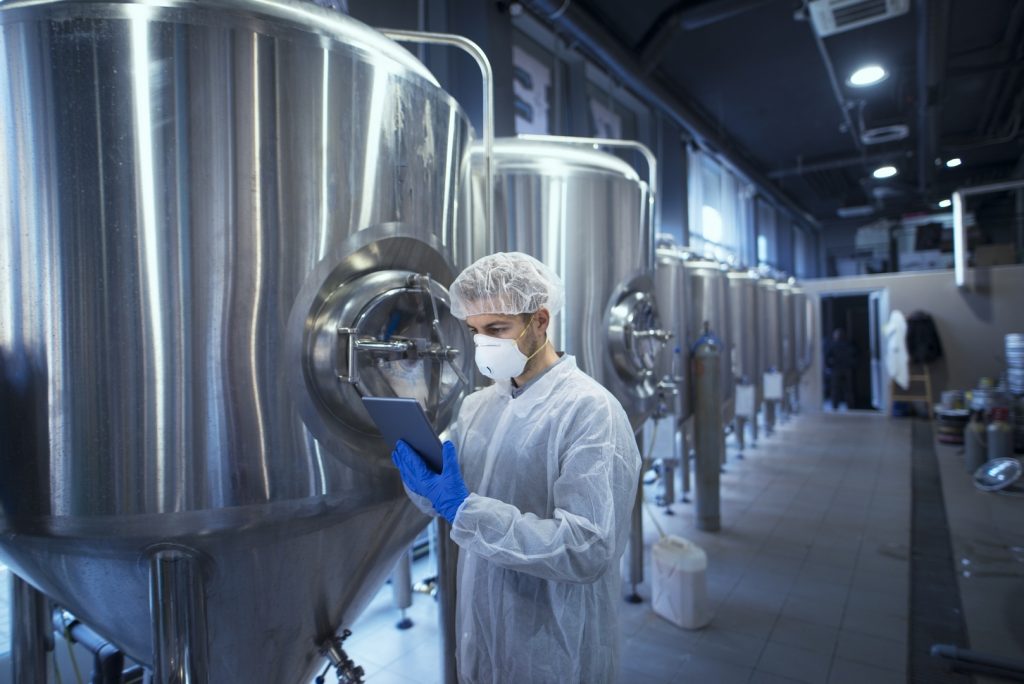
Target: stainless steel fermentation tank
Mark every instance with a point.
(771, 356)
(586, 214)
(589, 216)
(803, 338)
(708, 287)
(744, 310)
(805, 333)
(797, 335)
(692, 291)
(220, 224)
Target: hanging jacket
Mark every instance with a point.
(923, 344)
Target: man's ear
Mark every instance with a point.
(542, 318)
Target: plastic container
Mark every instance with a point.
(999, 436)
(975, 453)
(679, 583)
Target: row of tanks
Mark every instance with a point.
(763, 322)
(222, 223)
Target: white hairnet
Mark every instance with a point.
(506, 283)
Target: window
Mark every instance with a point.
(719, 210)
(531, 86)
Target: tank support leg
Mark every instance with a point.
(636, 534)
(447, 565)
(401, 588)
(30, 632)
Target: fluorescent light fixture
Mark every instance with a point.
(954, 162)
(867, 76)
(945, 203)
(884, 172)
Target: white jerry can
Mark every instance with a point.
(679, 582)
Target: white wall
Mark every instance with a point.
(971, 323)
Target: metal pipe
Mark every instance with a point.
(708, 432)
(487, 75)
(177, 605)
(30, 632)
(447, 586)
(590, 35)
(682, 452)
(959, 236)
(837, 92)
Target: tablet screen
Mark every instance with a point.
(402, 418)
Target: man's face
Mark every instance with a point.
(497, 325)
(527, 329)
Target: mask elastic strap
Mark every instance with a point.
(546, 343)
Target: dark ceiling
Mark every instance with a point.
(756, 71)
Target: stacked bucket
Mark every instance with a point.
(1015, 385)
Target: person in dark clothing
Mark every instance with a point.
(841, 359)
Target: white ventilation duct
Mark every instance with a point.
(835, 16)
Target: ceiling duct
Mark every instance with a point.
(835, 16)
(884, 134)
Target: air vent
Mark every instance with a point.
(884, 134)
(835, 16)
(858, 211)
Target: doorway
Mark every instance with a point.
(858, 318)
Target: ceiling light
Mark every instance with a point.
(945, 203)
(954, 162)
(867, 75)
(884, 172)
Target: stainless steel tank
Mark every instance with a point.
(787, 328)
(221, 222)
(709, 304)
(673, 296)
(770, 325)
(804, 314)
(744, 298)
(744, 310)
(586, 214)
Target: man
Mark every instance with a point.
(841, 359)
(539, 481)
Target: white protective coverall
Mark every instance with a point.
(553, 476)
(897, 358)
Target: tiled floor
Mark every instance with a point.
(808, 577)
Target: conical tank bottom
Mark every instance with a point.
(277, 579)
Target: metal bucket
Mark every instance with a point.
(216, 223)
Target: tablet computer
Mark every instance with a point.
(402, 418)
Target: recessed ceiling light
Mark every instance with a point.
(867, 75)
(945, 203)
(954, 162)
(884, 172)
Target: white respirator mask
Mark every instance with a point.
(499, 358)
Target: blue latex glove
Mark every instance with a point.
(446, 490)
